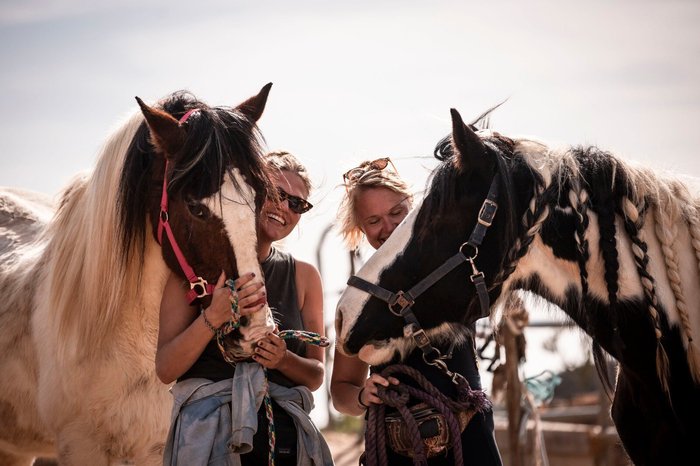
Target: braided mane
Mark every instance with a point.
(585, 181)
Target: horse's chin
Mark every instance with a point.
(376, 353)
(260, 324)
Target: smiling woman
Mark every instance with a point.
(377, 200)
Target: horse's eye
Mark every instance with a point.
(198, 209)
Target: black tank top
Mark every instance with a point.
(279, 270)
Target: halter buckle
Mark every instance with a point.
(487, 212)
(199, 287)
(420, 338)
(400, 300)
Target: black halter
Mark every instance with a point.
(400, 303)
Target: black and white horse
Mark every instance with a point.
(616, 247)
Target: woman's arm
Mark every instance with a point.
(350, 386)
(272, 351)
(347, 379)
(183, 333)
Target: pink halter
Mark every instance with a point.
(199, 287)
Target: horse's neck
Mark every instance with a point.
(145, 310)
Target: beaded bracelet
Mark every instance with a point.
(359, 398)
(206, 321)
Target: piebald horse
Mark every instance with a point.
(81, 282)
(616, 247)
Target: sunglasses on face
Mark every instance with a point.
(356, 173)
(296, 204)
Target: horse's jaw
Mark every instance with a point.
(377, 352)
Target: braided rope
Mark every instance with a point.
(271, 437)
(310, 338)
(397, 396)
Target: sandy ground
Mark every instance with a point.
(345, 447)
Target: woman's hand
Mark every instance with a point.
(219, 311)
(271, 351)
(368, 393)
(252, 295)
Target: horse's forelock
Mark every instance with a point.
(220, 140)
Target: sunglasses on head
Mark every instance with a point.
(296, 204)
(356, 173)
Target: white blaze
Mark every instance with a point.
(236, 206)
(353, 300)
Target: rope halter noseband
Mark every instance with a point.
(400, 303)
(199, 287)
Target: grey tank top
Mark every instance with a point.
(279, 270)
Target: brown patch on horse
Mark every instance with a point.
(167, 136)
(210, 235)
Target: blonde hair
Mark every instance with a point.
(281, 160)
(348, 223)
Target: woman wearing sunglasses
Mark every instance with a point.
(292, 288)
(376, 201)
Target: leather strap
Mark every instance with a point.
(199, 287)
(401, 303)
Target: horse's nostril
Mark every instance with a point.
(244, 321)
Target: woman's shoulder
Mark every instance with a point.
(309, 284)
(307, 270)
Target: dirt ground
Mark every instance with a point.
(345, 447)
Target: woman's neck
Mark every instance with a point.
(264, 250)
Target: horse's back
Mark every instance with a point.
(23, 216)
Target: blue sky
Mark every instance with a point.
(352, 80)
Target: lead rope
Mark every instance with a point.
(397, 396)
(310, 338)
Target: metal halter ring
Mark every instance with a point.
(199, 287)
(476, 251)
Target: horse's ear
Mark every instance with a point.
(470, 151)
(253, 107)
(166, 133)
